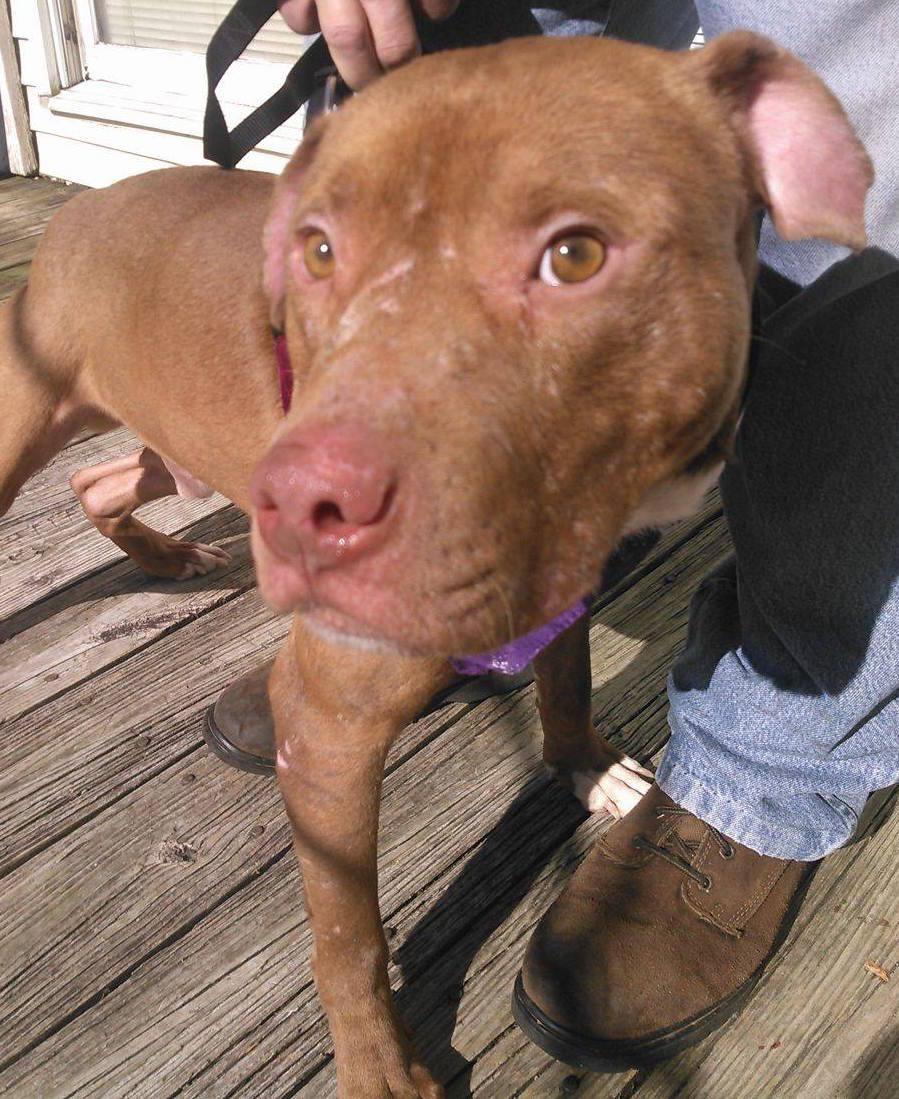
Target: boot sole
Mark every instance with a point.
(594, 1055)
(230, 753)
(466, 690)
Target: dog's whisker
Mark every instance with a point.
(472, 582)
(507, 607)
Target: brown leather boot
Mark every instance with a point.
(658, 939)
(240, 730)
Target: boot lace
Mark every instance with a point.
(678, 852)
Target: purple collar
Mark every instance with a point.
(510, 658)
(514, 656)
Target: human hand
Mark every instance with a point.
(366, 37)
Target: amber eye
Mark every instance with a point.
(575, 258)
(318, 255)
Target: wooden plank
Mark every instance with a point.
(12, 278)
(261, 1027)
(821, 1026)
(514, 1066)
(245, 978)
(54, 645)
(47, 506)
(26, 212)
(15, 186)
(72, 908)
(28, 208)
(231, 826)
(48, 490)
(17, 252)
(47, 543)
(16, 189)
(66, 548)
(63, 763)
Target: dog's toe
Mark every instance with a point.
(615, 791)
(202, 559)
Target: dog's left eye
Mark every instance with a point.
(574, 258)
(318, 255)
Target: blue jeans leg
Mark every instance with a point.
(784, 711)
(785, 706)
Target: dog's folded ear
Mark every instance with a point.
(807, 165)
(279, 227)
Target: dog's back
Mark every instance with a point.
(162, 271)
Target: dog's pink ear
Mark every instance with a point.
(278, 230)
(809, 168)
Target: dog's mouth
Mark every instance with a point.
(400, 609)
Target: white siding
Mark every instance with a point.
(97, 132)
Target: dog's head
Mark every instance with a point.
(515, 284)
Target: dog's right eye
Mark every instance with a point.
(318, 255)
(573, 258)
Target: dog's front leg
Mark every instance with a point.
(337, 710)
(601, 777)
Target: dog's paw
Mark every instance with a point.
(615, 790)
(426, 1087)
(200, 559)
(388, 1081)
(600, 777)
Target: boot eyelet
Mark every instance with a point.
(728, 852)
(706, 884)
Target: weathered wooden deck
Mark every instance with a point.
(152, 940)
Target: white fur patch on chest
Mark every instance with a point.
(673, 500)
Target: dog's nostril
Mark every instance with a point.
(266, 504)
(367, 508)
(327, 516)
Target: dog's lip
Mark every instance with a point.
(350, 611)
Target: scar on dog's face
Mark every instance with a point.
(526, 271)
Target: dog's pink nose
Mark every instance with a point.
(326, 494)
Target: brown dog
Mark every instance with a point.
(515, 284)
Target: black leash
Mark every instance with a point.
(240, 26)
(314, 78)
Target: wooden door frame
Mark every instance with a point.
(20, 147)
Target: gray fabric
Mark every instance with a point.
(670, 24)
(853, 46)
